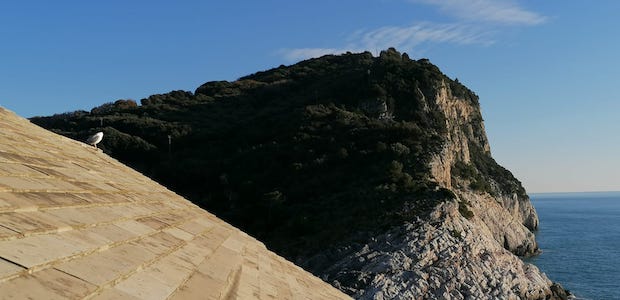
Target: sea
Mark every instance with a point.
(579, 235)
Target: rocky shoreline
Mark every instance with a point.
(444, 257)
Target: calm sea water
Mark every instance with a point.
(579, 235)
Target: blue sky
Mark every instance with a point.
(546, 71)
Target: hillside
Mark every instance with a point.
(334, 161)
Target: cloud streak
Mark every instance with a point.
(411, 36)
(495, 11)
(471, 27)
(406, 37)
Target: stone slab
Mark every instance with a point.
(8, 269)
(106, 266)
(178, 233)
(114, 294)
(39, 249)
(158, 243)
(49, 284)
(200, 287)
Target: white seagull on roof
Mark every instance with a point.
(95, 139)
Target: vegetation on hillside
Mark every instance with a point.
(302, 156)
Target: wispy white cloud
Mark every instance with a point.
(476, 22)
(496, 11)
(405, 38)
(411, 36)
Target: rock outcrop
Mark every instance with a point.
(444, 257)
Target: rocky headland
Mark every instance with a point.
(467, 248)
(374, 173)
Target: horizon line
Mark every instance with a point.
(575, 192)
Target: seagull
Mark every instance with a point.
(95, 139)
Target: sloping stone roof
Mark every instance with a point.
(75, 223)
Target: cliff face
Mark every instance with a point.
(508, 215)
(374, 173)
